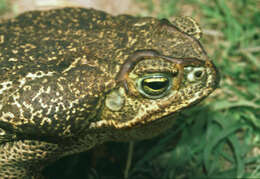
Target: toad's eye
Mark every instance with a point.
(154, 85)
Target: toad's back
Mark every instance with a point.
(74, 77)
(49, 61)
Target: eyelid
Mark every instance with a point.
(148, 71)
(158, 79)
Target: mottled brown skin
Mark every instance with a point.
(62, 71)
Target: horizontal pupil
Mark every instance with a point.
(156, 85)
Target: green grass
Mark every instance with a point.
(4, 6)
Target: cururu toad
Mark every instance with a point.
(72, 78)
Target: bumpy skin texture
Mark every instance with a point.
(69, 80)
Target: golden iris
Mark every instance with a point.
(154, 85)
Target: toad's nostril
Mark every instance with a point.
(198, 74)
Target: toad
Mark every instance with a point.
(73, 78)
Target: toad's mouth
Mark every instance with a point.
(157, 115)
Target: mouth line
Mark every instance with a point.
(184, 104)
(186, 101)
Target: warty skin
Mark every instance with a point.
(72, 78)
